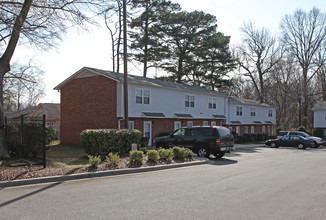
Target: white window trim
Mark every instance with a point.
(238, 111)
(253, 112)
(190, 124)
(143, 91)
(190, 99)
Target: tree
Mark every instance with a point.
(23, 87)
(184, 33)
(213, 62)
(146, 35)
(40, 23)
(303, 34)
(256, 56)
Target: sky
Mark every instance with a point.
(92, 48)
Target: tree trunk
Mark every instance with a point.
(5, 67)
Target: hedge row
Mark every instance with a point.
(252, 137)
(104, 141)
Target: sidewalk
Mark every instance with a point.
(54, 179)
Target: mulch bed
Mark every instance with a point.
(27, 172)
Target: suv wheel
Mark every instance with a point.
(202, 151)
(219, 155)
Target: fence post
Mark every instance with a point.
(6, 128)
(44, 143)
(22, 134)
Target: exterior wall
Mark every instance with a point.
(320, 119)
(87, 103)
(169, 102)
(258, 129)
(246, 118)
(160, 125)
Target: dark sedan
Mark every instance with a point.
(290, 141)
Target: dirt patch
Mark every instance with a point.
(27, 171)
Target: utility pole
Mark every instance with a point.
(125, 60)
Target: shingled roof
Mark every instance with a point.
(133, 79)
(319, 106)
(247, 102)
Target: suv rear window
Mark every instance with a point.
(224, 132)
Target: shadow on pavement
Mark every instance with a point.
(221, 161)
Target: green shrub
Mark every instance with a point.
(318, 132)
(127, 137)
(14, 139)
(144, 149)
(100, 141)
(113, 159)
(188, 153)
(178, 153)
(166, 154)
(153, 155)
(94, 161)
(136, 156)
(33, 139)
(51, 134)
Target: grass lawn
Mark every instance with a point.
(66, 155)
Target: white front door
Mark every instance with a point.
(177, 125)
(148, 131)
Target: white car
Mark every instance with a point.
(318, 141)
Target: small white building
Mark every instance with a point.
(250, 117)
(319, 110)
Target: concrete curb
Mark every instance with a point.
(54, 179)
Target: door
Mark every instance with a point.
(148, 131)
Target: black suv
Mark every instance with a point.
(201, 140)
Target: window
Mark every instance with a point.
(246, 130)
(177, 125)
(237, 130)
(325, 115)
(252, 111)
(252, 130)
(264, 130)
(189, 124)
(131, 125)
(142, 96)
(211, 103)
(190, 101)
(270, 113)
(213, 123)
(239, 111)
(205, 123)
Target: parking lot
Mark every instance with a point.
(249, 183)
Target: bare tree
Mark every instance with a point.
(40, 23)
(256, 56)
(25, 85)
(303, 34)
(113, 22)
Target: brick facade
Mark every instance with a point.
(87, 103)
